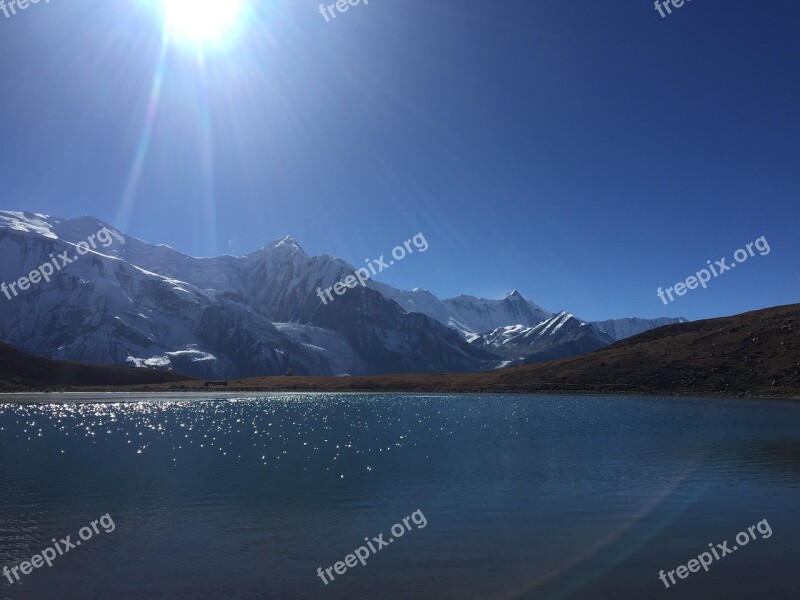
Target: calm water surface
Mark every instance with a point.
(524, 496)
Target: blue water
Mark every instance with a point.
(523, 496)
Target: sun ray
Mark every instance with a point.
(132, 185)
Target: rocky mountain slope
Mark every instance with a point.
(21, 372)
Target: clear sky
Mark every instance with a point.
(582, 152)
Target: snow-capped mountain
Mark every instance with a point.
(133, 303)
(129, 302)
(468, 314)
(560, 336)
(100, 309)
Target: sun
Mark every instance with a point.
(201, 23)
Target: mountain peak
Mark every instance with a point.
(288, 242)
(515, 295)
(423, 292)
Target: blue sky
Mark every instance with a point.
(582, 152)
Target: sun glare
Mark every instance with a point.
(201, 23)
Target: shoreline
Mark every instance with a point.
(109, 396)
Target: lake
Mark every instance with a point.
(503, 497)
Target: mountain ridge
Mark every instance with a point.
(135, 303)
